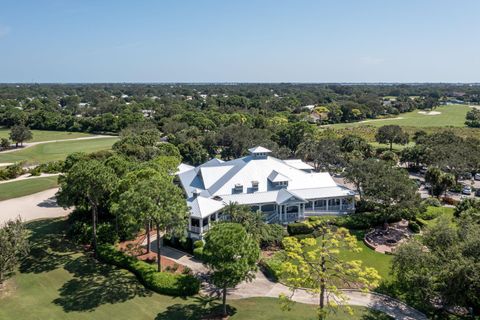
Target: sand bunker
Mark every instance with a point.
(430, 113)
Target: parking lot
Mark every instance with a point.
(425, 193)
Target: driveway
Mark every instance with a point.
(35, 206)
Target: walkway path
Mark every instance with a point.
(31, 207)
(263, 287)
(31, 144)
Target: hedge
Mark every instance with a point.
(299, 228)
(160, 282)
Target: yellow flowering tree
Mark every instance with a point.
(316, 266)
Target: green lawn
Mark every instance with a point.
(22, 188)
(44, 135)
(450, 115)
(381, 262)
(433, 215)
(56, 150)
(57, 281)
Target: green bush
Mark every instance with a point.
(431, 213)
(272, 235)
(106, 233)
(414, 226)
(160, 282)
(272, 265)
(431, 202)
(198, 253)
(299, 228)
(198, 244)
(303, 236)
(180, 244)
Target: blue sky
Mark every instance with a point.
(239, 41)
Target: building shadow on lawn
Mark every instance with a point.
(205, 307)
(95, 284)
(49, 247)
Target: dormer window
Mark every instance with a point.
(255, 184)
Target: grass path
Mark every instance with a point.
(56, 150)
(58, 282)
(45, 135)
(26, 187)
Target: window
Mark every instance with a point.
(195, 222)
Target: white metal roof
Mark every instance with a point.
(217, 178)
(201, 207)
(259, 149)
(298, 164)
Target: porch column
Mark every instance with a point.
(216, 216)
(201, 225)
(313, 205)
(189, 224)
(326, 204)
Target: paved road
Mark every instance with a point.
(35, 206)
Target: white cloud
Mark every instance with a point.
(4, 31)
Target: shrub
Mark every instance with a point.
(272, 235)
(303, 236)
(272, 265)
(161, 282)
(299, 228)
(106, 233)
(180, 244)
(198, 244)
(198, 253)
(431, 213)
(432, 202)
(413, 226)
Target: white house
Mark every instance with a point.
(285, 190)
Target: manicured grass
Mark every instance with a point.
(436, 213)
(450, 115)
(57, 150)
(22, 188)
(381, 262)
(57, 281)
(44, 135)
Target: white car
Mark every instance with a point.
(477, 176)
(467, 190)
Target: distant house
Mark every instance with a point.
(148, 113)
(284, 190)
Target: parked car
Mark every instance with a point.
(466, 176)
(423, 170)
(477, 193)
(477, 176)
(467, 190)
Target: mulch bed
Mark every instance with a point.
(136, 249)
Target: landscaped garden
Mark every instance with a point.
(59, 281)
